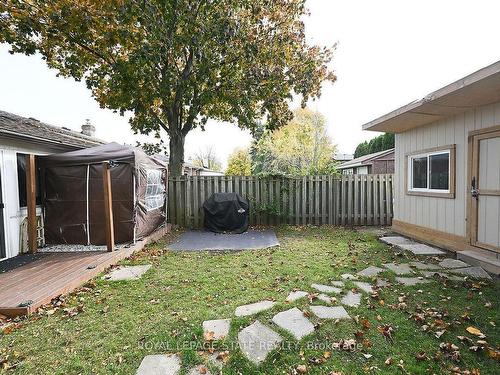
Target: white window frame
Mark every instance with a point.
(159, 193)
(428, 156)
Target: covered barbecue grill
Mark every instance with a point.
(226, 212)
(74, 194)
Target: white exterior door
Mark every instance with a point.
(486, 191)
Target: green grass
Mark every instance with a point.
(121, 322)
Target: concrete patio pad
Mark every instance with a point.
(160, 364)
(127, 273)
(219, 327)
(256, 341)
(294, 322)
(206, 241)
(253, 308)
(365, 287)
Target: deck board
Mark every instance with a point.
(58, 273)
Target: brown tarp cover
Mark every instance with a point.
(74, 194)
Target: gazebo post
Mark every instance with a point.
(108, 206)
(31, 203)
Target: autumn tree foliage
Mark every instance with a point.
(301, 147)
(174, 64)
(239, 163)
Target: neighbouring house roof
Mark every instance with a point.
(476, 89)
(343, 157)
(31, 130)
(366, 159)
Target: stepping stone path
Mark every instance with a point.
(253, 308)
(348, 276)
(294, 296)
(351, 299)
(370, 271)
(412, 246)
(160, 364)
(398, 269)
(326, 288)
(294, 322)
(257, 340)
(411, 280)
(452, 263)
(382, 283)
(397, 240)
(430, 274)
(127, 273)
(338, 284)
(474, 272)
(335, 312)
(217, 329)
(425, 266)
(199, 370)
(324, 298)
(365, 287)
(422, 249)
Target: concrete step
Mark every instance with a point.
(487, 260)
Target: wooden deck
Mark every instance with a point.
(58, 273)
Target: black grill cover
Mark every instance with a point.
(226, 212)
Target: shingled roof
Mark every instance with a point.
(29, 129)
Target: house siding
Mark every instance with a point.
(442, 214)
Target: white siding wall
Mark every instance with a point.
(446, 215)
(13, 214)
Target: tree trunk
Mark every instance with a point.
(176, 157)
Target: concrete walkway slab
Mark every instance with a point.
(160, 364)
(474, 272)
(326, 288)
(431, 274)
(294, 322)
(199, 370)
(370, 271)
(425, 266)
(422, 249)
(334, 312)
(253, 308)
(452, 263)
(295, 295)
(256, 341)
(351, 299)
(410, 281)
(365, 287)
(348, 276)
(218, 328)
(338, 284)
(324, 298)
(397, 240)
(398, 269)
(205, 241)
(127, 273)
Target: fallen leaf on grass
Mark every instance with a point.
(421, 356)
(475, 331)
(388, 361)
(301, 369)
(386, 331)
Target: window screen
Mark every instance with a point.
(439, 171)
(155, 190)
(419, 172)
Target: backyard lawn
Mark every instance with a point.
(107, 327)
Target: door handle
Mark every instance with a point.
(474, 192)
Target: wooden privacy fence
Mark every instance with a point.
(346, 200)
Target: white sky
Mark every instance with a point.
(389, 53)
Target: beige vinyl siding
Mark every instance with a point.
(446, 215)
